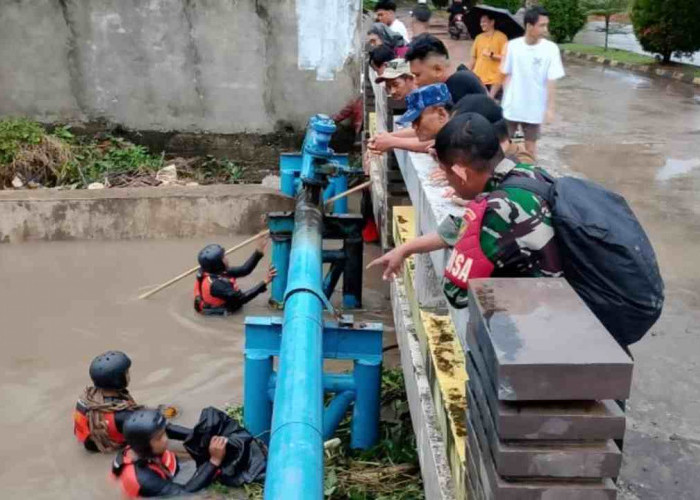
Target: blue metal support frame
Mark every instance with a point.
(346, 227)
(335, 411)
(290, 178)
(297, 422)
(361, 343)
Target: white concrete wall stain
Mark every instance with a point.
(326, 38)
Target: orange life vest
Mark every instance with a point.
(124, 468)
(204, 301)
(468, 259)
(81, 424)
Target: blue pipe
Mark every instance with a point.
(335, 411)
(332, 382)
(257, 408)
(295, 462)
(340, 185)
(365, 416)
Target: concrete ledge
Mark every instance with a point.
(443, 360)
(135, 213)
(432, 454)
(637, 68)
(430, 210)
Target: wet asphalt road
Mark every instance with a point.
(641, 137)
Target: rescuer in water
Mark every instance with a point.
(216, 290)
(99, 415)
(146, 467)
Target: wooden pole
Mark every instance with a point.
(243, 244)
(194, 269)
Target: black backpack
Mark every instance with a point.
(605, 254)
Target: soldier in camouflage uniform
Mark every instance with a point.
(505, 232)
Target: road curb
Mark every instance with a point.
(637, 68)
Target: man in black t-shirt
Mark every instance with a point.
(430, 63)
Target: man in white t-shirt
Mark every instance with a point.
(385, 11)
(532, 65)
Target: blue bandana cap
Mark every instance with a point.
(436, 94)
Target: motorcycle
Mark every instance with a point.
(457, 27)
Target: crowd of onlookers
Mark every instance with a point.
(518, 220)
(519, 74)
(454, 113)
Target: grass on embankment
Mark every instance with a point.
(625, 56)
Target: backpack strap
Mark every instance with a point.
(543, 189)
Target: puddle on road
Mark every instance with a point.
(676, 168)
(65, 302)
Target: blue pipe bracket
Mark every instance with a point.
(286, 408)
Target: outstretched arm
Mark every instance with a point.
(247, 267)
(392, 261)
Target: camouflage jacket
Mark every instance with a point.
(516, 234)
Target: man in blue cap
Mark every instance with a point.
(427, 110)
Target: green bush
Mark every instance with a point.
(14, 133)
(566, 18)
(667, 27)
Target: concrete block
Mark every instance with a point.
(541, 342)
(496, 487)
(551, 459)
(547, 420)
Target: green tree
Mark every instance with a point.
(511, 5)
(566, 18)
(667, 27)
(607, 9)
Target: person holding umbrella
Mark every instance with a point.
(487, 51)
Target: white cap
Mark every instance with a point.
(422, 1)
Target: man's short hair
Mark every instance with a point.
(380, 55)
(483, 105)
(424, 46)
(469, 139)
(422, 13)
(385, 5)
(488, 14)
(532, 15)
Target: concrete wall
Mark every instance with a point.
(134, 213)
(221, 66)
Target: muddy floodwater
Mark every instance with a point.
(63, 303)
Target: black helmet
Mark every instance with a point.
(108, 370)
(211, 258)
(140, 427)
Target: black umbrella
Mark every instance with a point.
(505, 22)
